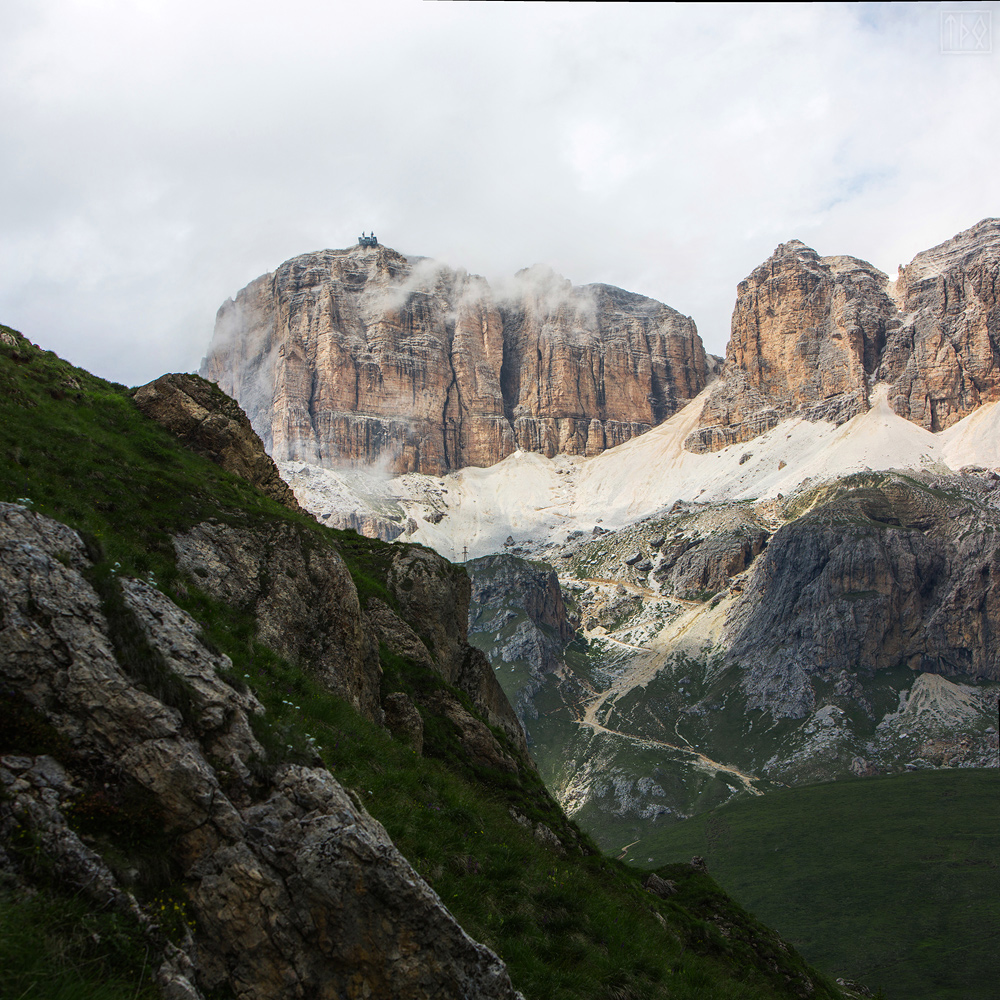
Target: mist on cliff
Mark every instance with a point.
(426, 276)
(550, 296)
(350, 470)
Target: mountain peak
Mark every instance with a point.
(811, 334)
(364, 356)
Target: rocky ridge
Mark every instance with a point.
(811, 335)
(253, 858)
(255, 855)
(213, 425)
(364, 356)
(302, 597)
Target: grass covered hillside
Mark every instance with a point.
(569, 922)
(893, 881)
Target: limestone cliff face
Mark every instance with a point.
(811, 334)
(894, 572)
(942, 356)
(588, 368)
(363, 355)
(358, 354)
(807, 332)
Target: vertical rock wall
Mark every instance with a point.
(362, 356)
(807, 332)
(812, 335)
(943, 353)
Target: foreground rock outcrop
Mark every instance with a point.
(213, 425)
(811, 335)
(432, 591)
(365, 356)
(296, 889)
(301, 596)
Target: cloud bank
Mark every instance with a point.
(160, 155)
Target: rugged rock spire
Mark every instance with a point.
(811, 335)
(807, 332)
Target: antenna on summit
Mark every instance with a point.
(367, 241)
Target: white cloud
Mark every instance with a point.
(160, 155)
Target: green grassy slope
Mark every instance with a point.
(55, 948)
(893, 881)
(569, 926)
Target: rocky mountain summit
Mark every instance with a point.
(812, 335)
(364, 356)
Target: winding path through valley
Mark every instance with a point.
(698, 759)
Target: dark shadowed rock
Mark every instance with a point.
(303, 598)
(403, 720)
(434, 594)
(664, 888)
(478, 743)
(878, 577)
(706, 562)
(523, 604)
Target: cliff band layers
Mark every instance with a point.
(812, 335)
(364, 356)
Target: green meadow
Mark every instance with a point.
(893, 881)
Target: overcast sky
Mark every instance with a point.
(157, 155)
